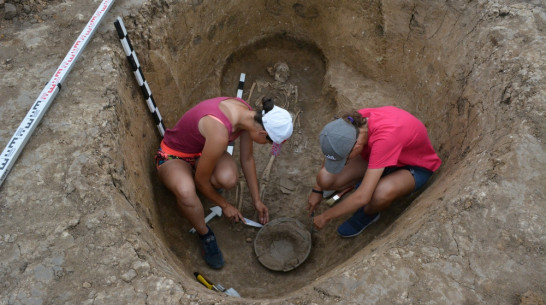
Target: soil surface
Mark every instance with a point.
(84, 219)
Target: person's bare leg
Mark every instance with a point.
(177, 176)
(352, 173)
(389, 188)
(225, 174)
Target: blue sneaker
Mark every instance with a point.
(210, 251)
(356, 224)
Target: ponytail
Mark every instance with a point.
(355, 118)
(267, 105)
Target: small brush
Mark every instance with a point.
(338, 196)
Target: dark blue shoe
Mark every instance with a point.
(356, 224)
(211, 253)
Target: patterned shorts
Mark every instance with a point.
(165, 153)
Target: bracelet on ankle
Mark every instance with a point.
(317, 191)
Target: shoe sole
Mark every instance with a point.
(371, 222)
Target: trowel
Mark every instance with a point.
(252, 223)
(217, 287)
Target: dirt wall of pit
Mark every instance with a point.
(78, 222)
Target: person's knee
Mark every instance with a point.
(229, 182)
(186, 195)
(226, 180)
(325, 180)
(384, 193)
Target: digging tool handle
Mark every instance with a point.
(338, 196)
(345, 192)
(202, 280)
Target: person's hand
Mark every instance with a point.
(263, 212)
(312, 202)
(231, 213)
(319, 222)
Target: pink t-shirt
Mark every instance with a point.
(397, 138)
(185, 136)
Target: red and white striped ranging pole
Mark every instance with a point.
(36, 113)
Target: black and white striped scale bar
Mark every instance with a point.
(133, 60)
(240, 87)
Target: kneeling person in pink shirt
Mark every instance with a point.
(386, 151)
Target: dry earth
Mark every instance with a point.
(84, 220)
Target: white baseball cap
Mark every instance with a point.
(278, 124)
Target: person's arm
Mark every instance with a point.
(316, 195)
(314, 198)
(216, 136)
(357, 199)
(249, 170)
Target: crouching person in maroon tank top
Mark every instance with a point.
(193, 156)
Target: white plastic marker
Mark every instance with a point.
(133, 60)
(36, 113)
(240, 87)
(215, 211)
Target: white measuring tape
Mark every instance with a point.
(36, 113)
(133, 60)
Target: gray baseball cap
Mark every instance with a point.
(337, 139)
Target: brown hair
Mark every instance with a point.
(354, 118)
(267, 105)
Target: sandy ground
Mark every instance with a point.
(83, 219)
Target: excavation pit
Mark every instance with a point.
(106, 231)
(314, 88)
(195, 54)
